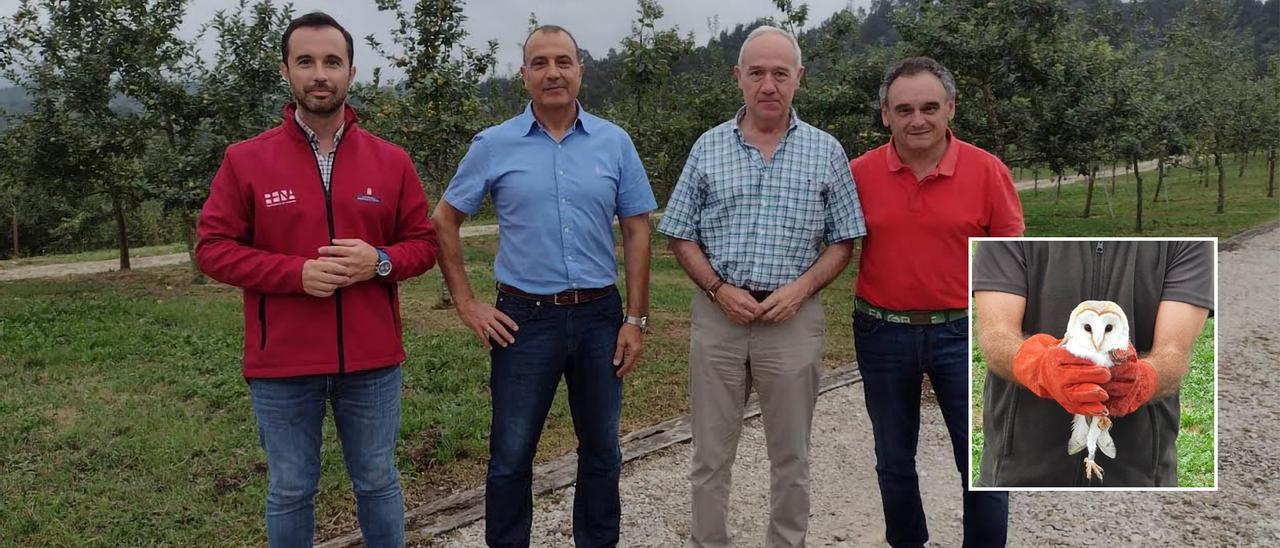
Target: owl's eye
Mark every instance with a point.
(1088, 328)
(1108, 328)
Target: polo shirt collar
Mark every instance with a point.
(946, 166)
(585, 121)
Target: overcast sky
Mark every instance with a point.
(597, 24)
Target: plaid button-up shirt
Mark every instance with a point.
(325, 161)
(762, 225)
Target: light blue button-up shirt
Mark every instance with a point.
(555, 200)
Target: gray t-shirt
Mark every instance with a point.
(1025, 435)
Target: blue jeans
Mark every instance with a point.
(893, 358)
(366, 410)
(575, 342)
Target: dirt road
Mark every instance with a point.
(91, 267)
(1047, 182)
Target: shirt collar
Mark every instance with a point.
(585, 122)
(311, 134)
(946, 166)
(742, 112)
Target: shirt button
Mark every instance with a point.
(570, 257)
(562, 172)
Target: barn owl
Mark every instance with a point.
(1095, 331)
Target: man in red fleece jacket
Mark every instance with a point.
(318, 246)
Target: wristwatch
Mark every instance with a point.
(383, 267)
(639, 321)
(711, 291)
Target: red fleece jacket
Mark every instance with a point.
(268, 212)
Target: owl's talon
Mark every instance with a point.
(1090, 467)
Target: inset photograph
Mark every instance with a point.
(1094, 364)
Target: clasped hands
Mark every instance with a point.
(346, 262)
(780, 306)
(1080, 386)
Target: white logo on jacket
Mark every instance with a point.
(279, 197)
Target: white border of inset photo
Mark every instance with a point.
(1216, 317)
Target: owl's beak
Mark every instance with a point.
(1097, 339)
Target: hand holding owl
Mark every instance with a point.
(1133, 383)
(1050, 371)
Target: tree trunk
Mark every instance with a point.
(1155, 197)
(1244, 159)
(14, 224)
(446, 298)
(1113, 176)
(1035, 181)
(1271, 172)
(1058, 193)
(122, 231)
(189, 222)
(1222, 181)
(1137, 178)
(1088, 195)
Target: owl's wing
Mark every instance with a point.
(1106, 444)
(1079, 431)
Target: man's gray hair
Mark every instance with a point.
(763, 29)
(916, 65)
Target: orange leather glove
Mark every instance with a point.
(1050, 371)
(1133, 382)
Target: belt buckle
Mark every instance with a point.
(555, 299)
(920, 318)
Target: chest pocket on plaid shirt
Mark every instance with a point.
(798, 204)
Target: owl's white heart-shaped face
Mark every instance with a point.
(1097, 327)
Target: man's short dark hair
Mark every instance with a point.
(912, 66)
(524, 49)
(315, 19)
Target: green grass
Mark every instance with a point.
(1196, 431)
(1189, 211)
(98, 255)
(126, 419)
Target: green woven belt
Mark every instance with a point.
(909, 317)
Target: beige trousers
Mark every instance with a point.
(783, 361)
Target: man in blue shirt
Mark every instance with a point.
(758, 198)
(557, 177)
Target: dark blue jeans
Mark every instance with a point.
(575, 342)
(366, 410)
(893, 358)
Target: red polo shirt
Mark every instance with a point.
(915, 253)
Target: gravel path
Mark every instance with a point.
(846, 503)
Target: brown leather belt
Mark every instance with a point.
(572, 296)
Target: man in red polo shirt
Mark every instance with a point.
(924, 194)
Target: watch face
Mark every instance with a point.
(384, 268)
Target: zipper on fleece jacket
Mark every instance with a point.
(328, 209)
(1097, 272)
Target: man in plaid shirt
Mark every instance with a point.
(759, 197)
